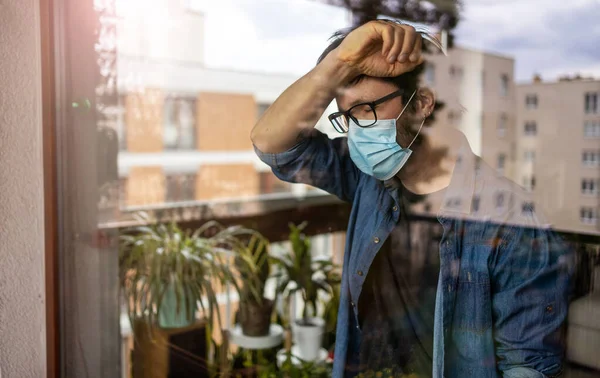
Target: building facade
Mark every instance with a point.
(478, 91)
(184, 128)
(557, 138)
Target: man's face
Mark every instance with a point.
(370, 89)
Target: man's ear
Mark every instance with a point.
(425, 102)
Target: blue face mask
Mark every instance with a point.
(374, 149)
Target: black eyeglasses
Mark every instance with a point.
(362, 114)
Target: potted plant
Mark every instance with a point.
(167, 275)
(299, 273)
(253, 267)
(249, 252)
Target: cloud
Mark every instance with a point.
(286, 36)
(546, 37)
(276, 36)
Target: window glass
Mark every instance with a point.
(171, 177)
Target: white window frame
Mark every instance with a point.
(594, 158)
(528, 132)
(591, 129)
(529, 156)
(589, 186)
(174, 103)
(531, 101)
(591, 102)
(430, 73)
(528, 207)
(501, 162)
(502, 127)
(504, 85)
(588, 215)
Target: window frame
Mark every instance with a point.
(175, 100)
(504, 85)
(530, 128)
(531, 101)
(591, 102)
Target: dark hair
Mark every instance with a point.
(409, 81)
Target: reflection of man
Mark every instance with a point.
(480, 292)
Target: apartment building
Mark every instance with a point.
(478, 90)
(557, 154)
(183, 128)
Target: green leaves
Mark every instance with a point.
(298, 268)
(162, 260)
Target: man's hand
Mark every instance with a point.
(381, 49)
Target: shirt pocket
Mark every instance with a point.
(473, 307)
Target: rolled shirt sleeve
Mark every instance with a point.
(318, 161)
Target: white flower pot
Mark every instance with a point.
(308, 338)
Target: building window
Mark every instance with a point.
(456, 72)
(454, 117)
(591, 103)
(530, 128)
(482, 80)
(121, 126)
(475, 203)
(531, 101)
(269, 183)
(529, 156)
(504, 85)
(501, 129)
(261, 108)
(499, 200)
(588, 215)
(430, 74)
(179, 123)
(180, 188)
(453, 202)
(591, 158)
(501, 162)
(527, 207)
(589, 186)
(529, 183)
(591, 129)
(123, 192)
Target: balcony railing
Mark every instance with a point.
(325, 214)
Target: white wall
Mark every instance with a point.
(22, 308)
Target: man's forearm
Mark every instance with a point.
(299, 107)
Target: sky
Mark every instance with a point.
(548, 37)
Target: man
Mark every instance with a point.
(489, 297)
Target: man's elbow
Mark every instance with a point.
(258, 140)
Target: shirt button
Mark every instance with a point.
(376, 240)
(352, 304)
(360, 272)
(395, 208)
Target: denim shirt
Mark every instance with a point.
(504, 281)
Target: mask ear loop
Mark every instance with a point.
(422, 123)
(418, 132)
(406, 106)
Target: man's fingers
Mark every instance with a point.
(398, 41)
(408, 45)
(415, 55)
(387, 35)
